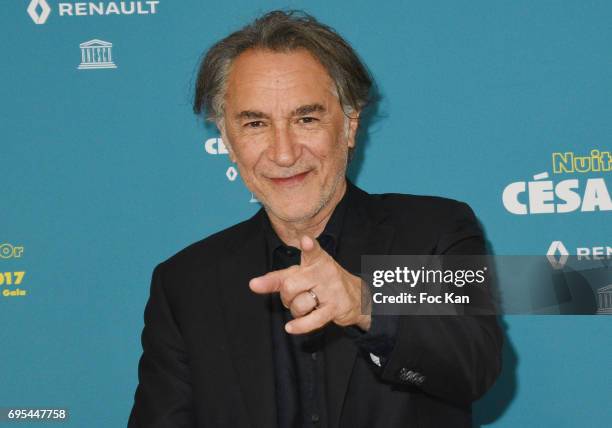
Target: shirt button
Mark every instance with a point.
(314, 418)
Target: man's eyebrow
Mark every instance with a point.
(308, 108)
(300, 111)
(251, 114)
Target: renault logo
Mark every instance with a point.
(39, 11)
(557, 255)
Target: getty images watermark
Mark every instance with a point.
(484, 285)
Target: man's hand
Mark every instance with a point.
(338, 292)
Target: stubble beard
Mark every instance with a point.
(323, 201)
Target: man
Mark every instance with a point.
(261, 325)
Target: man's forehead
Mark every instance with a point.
(264, 83)
(259, 72)
(276, 63)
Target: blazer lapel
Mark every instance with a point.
(374, 237)
(247, 317)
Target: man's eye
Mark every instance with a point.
(307, 119)
(254, 124)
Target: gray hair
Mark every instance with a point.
(281, 31)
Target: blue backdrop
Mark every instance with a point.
(105, 172)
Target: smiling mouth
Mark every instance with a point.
(288, 181)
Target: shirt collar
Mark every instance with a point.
(329, 238)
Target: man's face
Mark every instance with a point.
(285, 129)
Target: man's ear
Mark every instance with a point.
(353, 125)
(221, 127)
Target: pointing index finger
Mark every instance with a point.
(311, 250)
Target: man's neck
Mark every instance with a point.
(291, 232)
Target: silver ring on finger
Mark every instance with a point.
(315, 298)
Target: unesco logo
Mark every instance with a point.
(39, 11)
(96, 54)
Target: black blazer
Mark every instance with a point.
(207, 356)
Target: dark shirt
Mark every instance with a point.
(299, 359)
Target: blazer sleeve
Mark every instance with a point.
(163, 397)
(456, 358)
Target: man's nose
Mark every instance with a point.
(284, 150)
